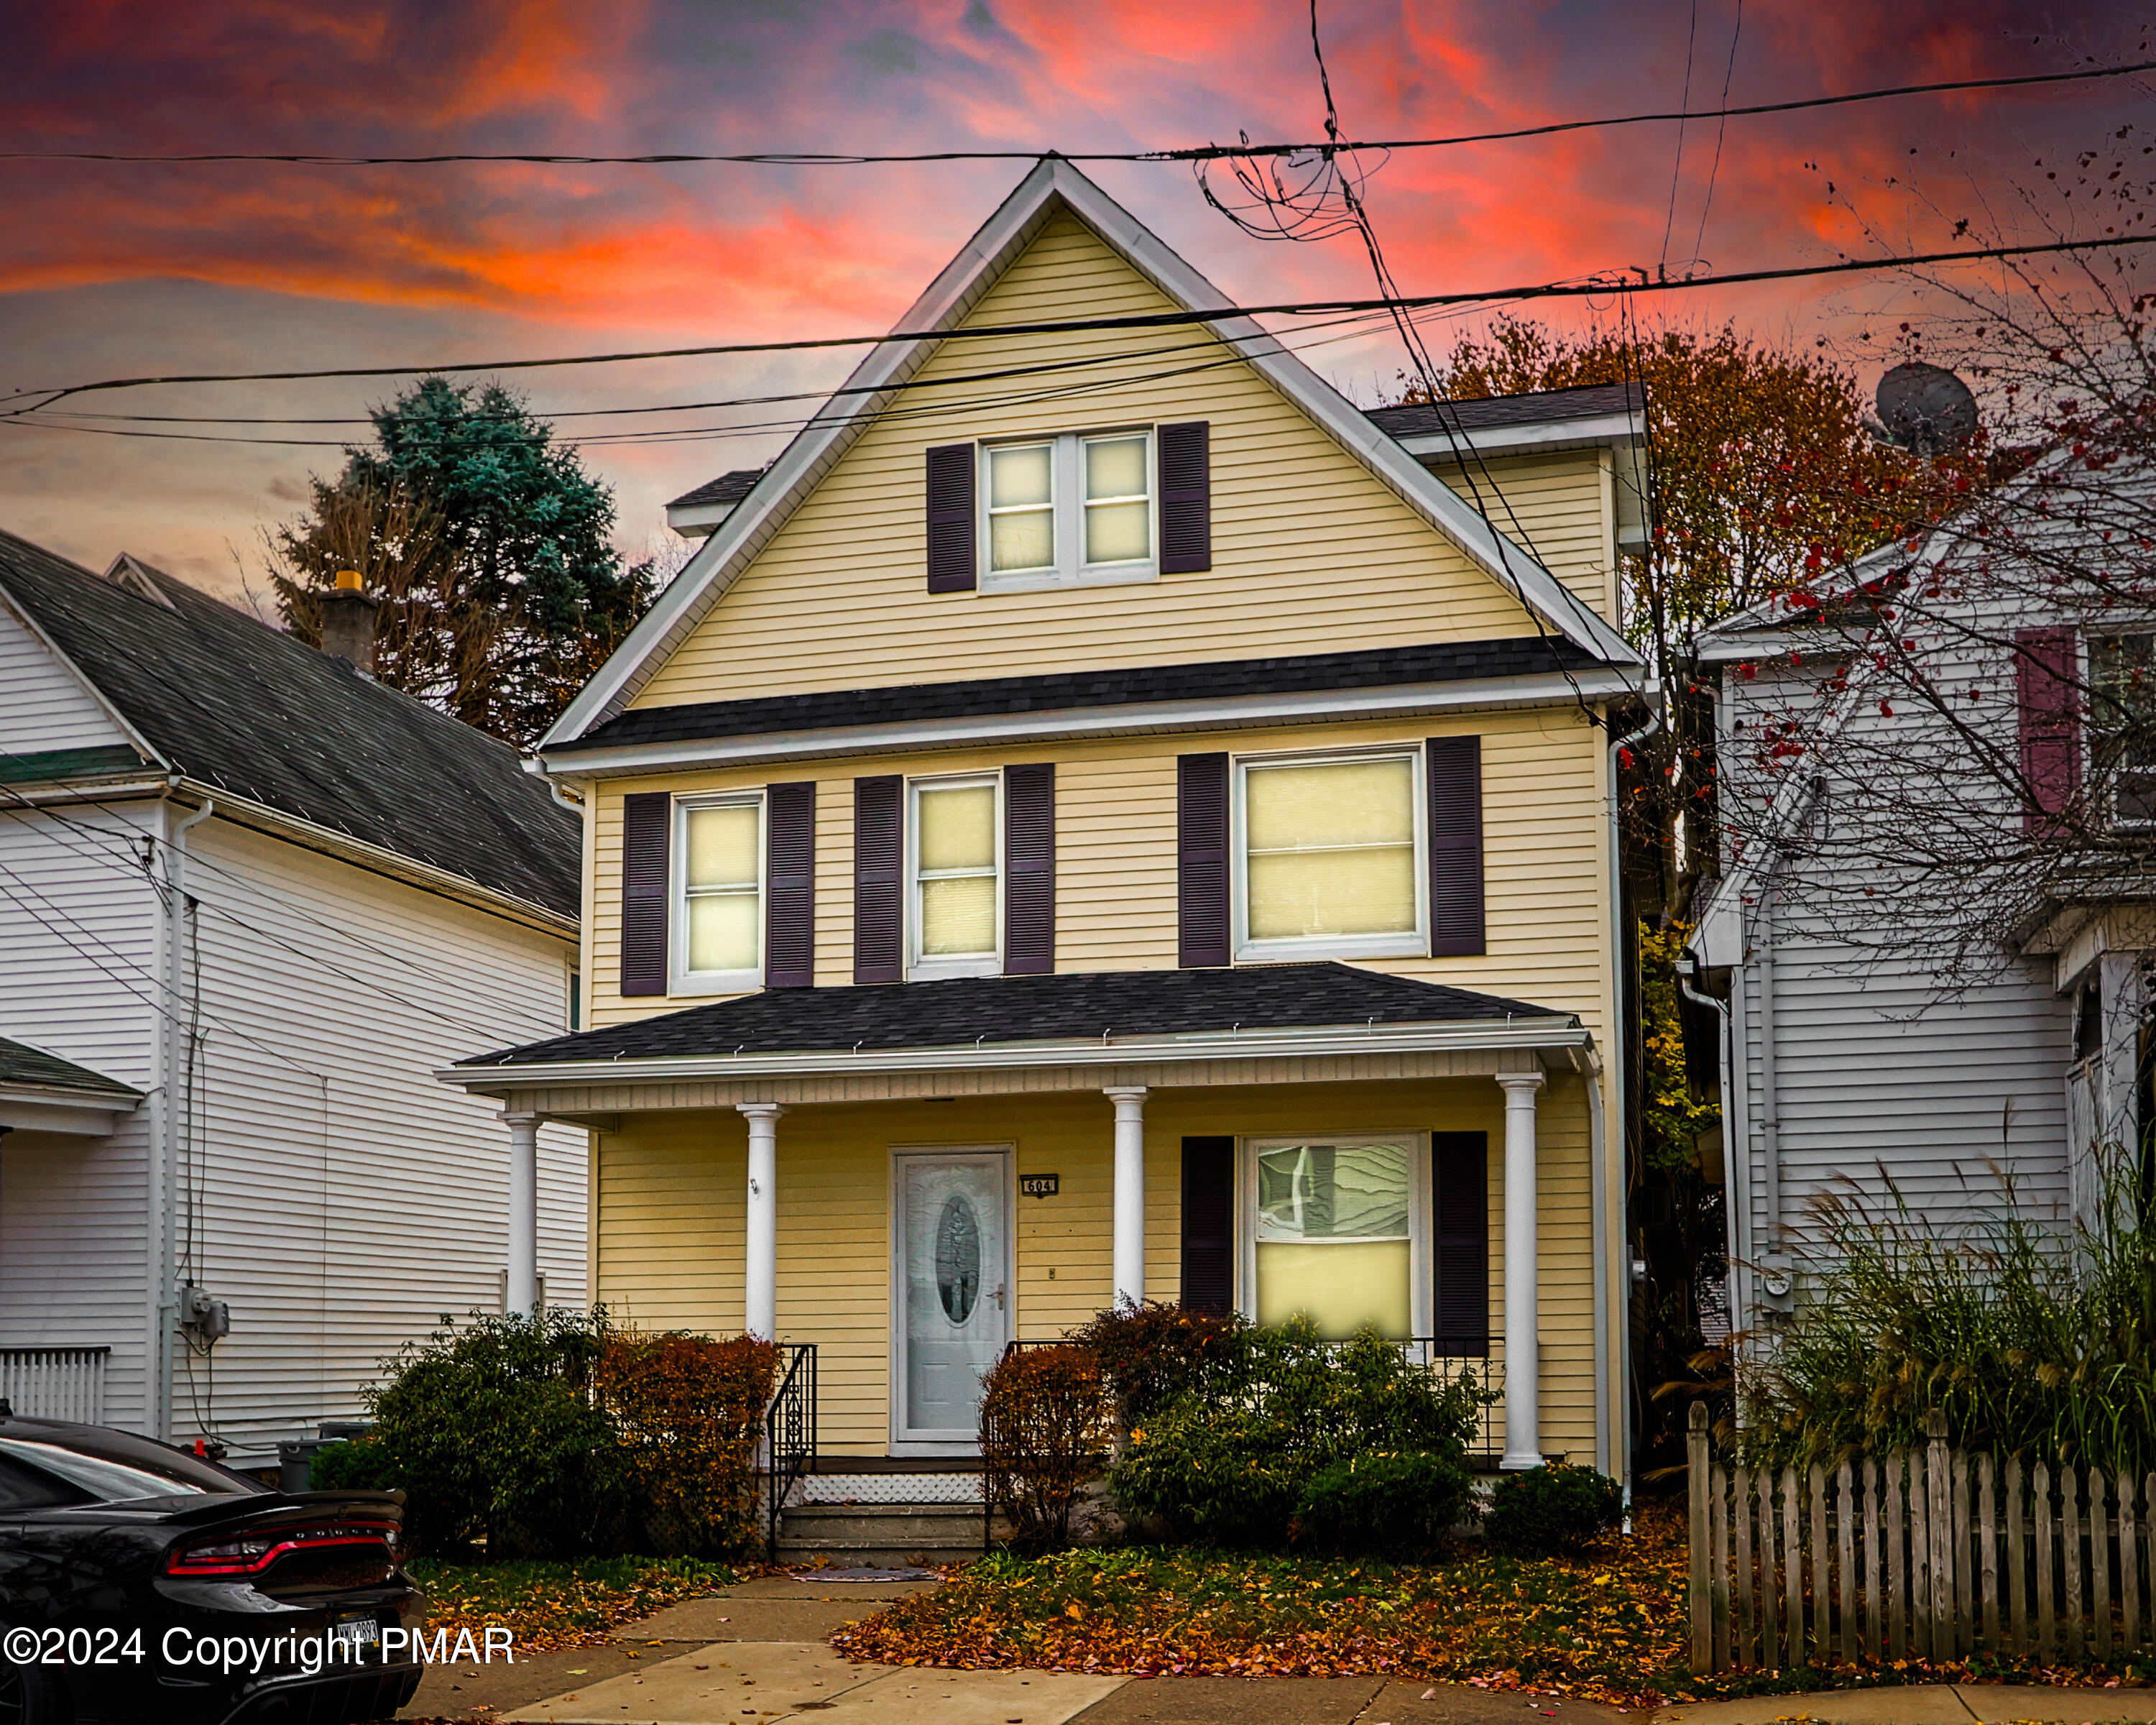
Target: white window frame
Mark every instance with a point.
(1403, 944)
(2086, 646)
(680, 979)
(921, 968)
(1422, 1288)
(1066, 492)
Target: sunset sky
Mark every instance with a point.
(110, 270)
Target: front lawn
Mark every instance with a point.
(1609, 1624)
(570, 1604)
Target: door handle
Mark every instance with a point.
(1000, 1295)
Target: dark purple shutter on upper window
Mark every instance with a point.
(789, 912)
(1183, 454)
(1459, 1234)
(1201, 834)
(646, 816)
(879, 878)
(951, 518)
(1029, 869)
(1209, 1224)
(1455, 846)
(2047, 672)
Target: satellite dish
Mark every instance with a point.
(1926, 409)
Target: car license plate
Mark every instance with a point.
(360, 1632)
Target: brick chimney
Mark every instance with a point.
(348, 616)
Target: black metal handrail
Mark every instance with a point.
(789, 1434)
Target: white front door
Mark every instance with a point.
(950, 1294)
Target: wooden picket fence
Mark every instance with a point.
(1929, 1553)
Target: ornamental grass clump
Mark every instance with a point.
(2031, 1339)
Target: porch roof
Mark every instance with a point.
(1050, 1020)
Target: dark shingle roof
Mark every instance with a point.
(235, 704)
(1591, 401)
(727, 488)
(990, 1011)
(1056, 691)
(22, 1064)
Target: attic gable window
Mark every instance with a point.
(1067, 510)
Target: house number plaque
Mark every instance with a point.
(1040, 1185)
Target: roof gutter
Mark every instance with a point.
(1561, 1035)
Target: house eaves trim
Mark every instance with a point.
(1564, 1035)
(1486, 694)
(842, 419)
(1612, 430)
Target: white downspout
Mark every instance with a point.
(167, 1141)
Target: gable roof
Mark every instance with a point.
(1054, 186)
(214, 696)
(1583, 411)
(985, 1013)
(727, 488)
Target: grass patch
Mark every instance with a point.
(1607, 1625)
(561, 1603)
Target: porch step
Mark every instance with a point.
(883, 1535)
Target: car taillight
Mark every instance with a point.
(251, 1553)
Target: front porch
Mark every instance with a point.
(911, 1210)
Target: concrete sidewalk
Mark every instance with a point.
(756, 1654)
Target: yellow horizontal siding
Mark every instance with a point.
(1555, 506)
(669, 1227)
(1311, 552)
(1544, 835)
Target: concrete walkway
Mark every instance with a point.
(755, 1655)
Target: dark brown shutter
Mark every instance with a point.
(1209, 1224)
(2047, 683)
(1460, 1210)
(1030, 870)
(951, 518)
(1455, 847)
(646, 818)
(879, 878)
(1183, 455)
(789, 910)
(1201, 830)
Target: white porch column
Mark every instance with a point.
(1130, 1191)
(1523, 1445)
(762, 1280)
(523, 1291)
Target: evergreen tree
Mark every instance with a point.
(487, 545)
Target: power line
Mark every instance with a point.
(1199, 153)
(1603, 287)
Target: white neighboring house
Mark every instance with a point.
(249, 901)
(1852, 1058)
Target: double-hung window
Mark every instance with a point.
(2122, 724)
(718, 849)
(955, 877)
(1328, 856)
(1062, 511)
(1337, 1232)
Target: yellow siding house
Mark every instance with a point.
(1101, 818)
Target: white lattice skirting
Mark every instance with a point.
(54, 1382)
(889, 1488)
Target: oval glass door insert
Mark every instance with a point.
(958, 1258)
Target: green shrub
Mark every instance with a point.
(361, 1465)
(1154, 1356)
(1046, 1426)
(1383, 1505)
(1231, 1463)
(1555, 1509)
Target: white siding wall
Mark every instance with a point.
(1884, 1070)
(78, 953)
(347, 1199)
(43, 704)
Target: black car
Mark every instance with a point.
(138, 1581)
